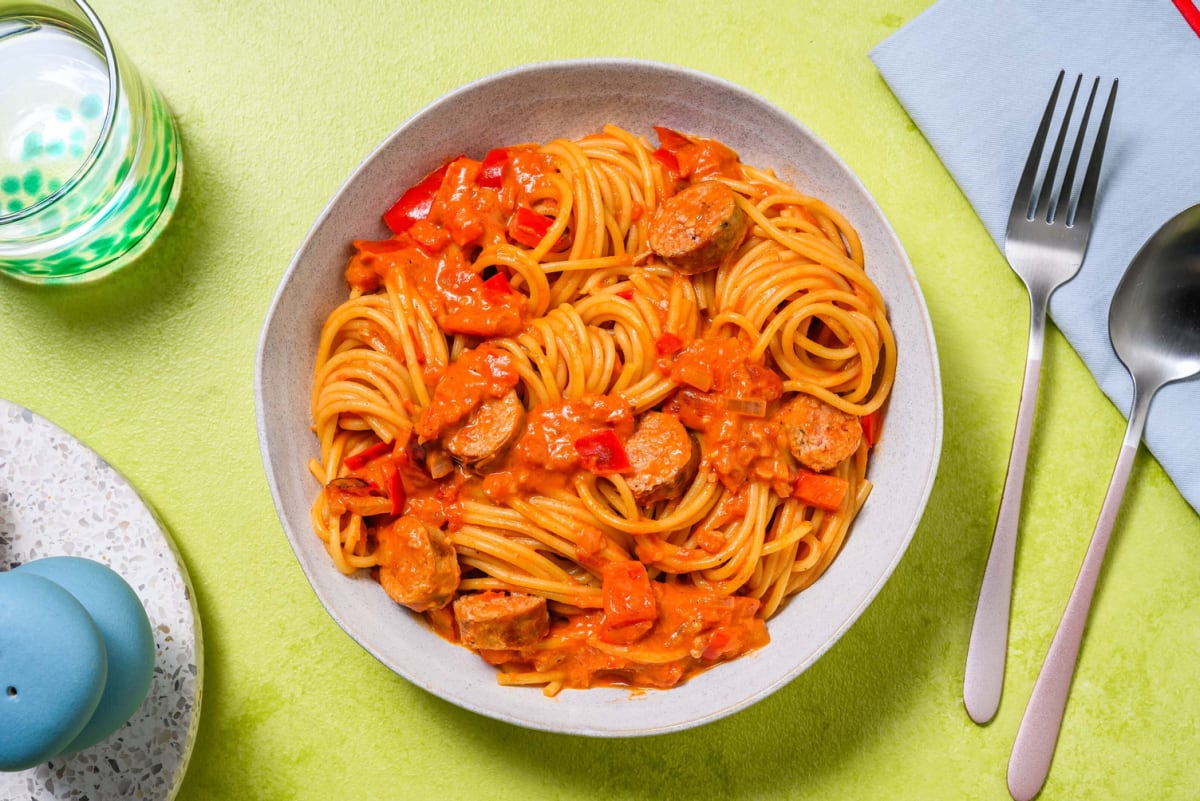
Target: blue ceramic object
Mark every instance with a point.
(53, 668)
(128, 640)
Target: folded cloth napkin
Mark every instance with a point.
(975, 75)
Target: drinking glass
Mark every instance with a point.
(89, 154)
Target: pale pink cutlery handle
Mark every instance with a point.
(1038, 734)
(984, 676)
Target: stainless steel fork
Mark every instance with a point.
(1048, 229)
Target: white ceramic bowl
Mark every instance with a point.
(572, 98)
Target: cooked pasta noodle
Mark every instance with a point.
(597, 409)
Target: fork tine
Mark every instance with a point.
(1046, 195)
(1087, 195)
(1023, 197)
(1068, 184)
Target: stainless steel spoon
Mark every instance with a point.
(1154, 325)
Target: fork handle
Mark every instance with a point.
(984, 676)
(1037, 736)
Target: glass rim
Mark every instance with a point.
(106, 128)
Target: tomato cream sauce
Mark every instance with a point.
(693, 630)
(481, 438)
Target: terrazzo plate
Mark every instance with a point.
(58, 497)
(573, 98)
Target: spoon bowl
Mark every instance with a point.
(1154, 320)
(1154, 325)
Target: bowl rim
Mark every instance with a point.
(866, 594)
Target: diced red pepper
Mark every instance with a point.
(527, 227)
(394, 483)
(416, 202)
(870, 426)
(601, 452)
(628, 596)
(498, 285)
(695, 157)
(356, 461)
(671, 139)
(667, 159)
(718, 641)
(821, 490)
(626, 293)
(668, 344)
(491, 172)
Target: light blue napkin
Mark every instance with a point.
(975, 76)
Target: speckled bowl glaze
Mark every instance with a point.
(573, 98)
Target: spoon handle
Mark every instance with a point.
(1038, 734)
(983, 679)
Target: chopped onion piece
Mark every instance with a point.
(747, 407)
(439, 463)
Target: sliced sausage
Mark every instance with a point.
(501, 620)
(487, 433)
(664, 458)
(699, 228)
(476, 376)
(819, 435)
(417, 564)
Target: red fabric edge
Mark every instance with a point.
(1190, 13)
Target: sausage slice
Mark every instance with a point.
(699, 228)
(501, 620)
(819, 435)
(488, 432)
(664, 458)
(418, 566)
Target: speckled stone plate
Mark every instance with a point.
(572, 98)
(58, 497)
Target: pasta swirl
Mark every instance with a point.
(597, 409)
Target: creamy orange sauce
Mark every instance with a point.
(545, 456)
(728, 402)
(436, 253)
(694, 629)
(476, 375)
(740, 446)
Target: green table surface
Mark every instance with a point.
(153, 368)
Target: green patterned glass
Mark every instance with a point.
(89, 155)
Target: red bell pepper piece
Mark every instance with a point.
(718, 641)
(870, 426)
(527, 227)
(667, 159)
(821, 490)
(498, 285)
(667, 344)
(394, 484)
(627, 594)
(416, 202)
(626, 293)
(693, 158)
(491, 171)
(358, 460)
(601, 452)
(671, 139)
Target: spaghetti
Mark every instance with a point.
(598, 408)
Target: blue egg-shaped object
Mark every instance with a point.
(128, 640)
(52, 669)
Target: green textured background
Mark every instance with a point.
(153, 367)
